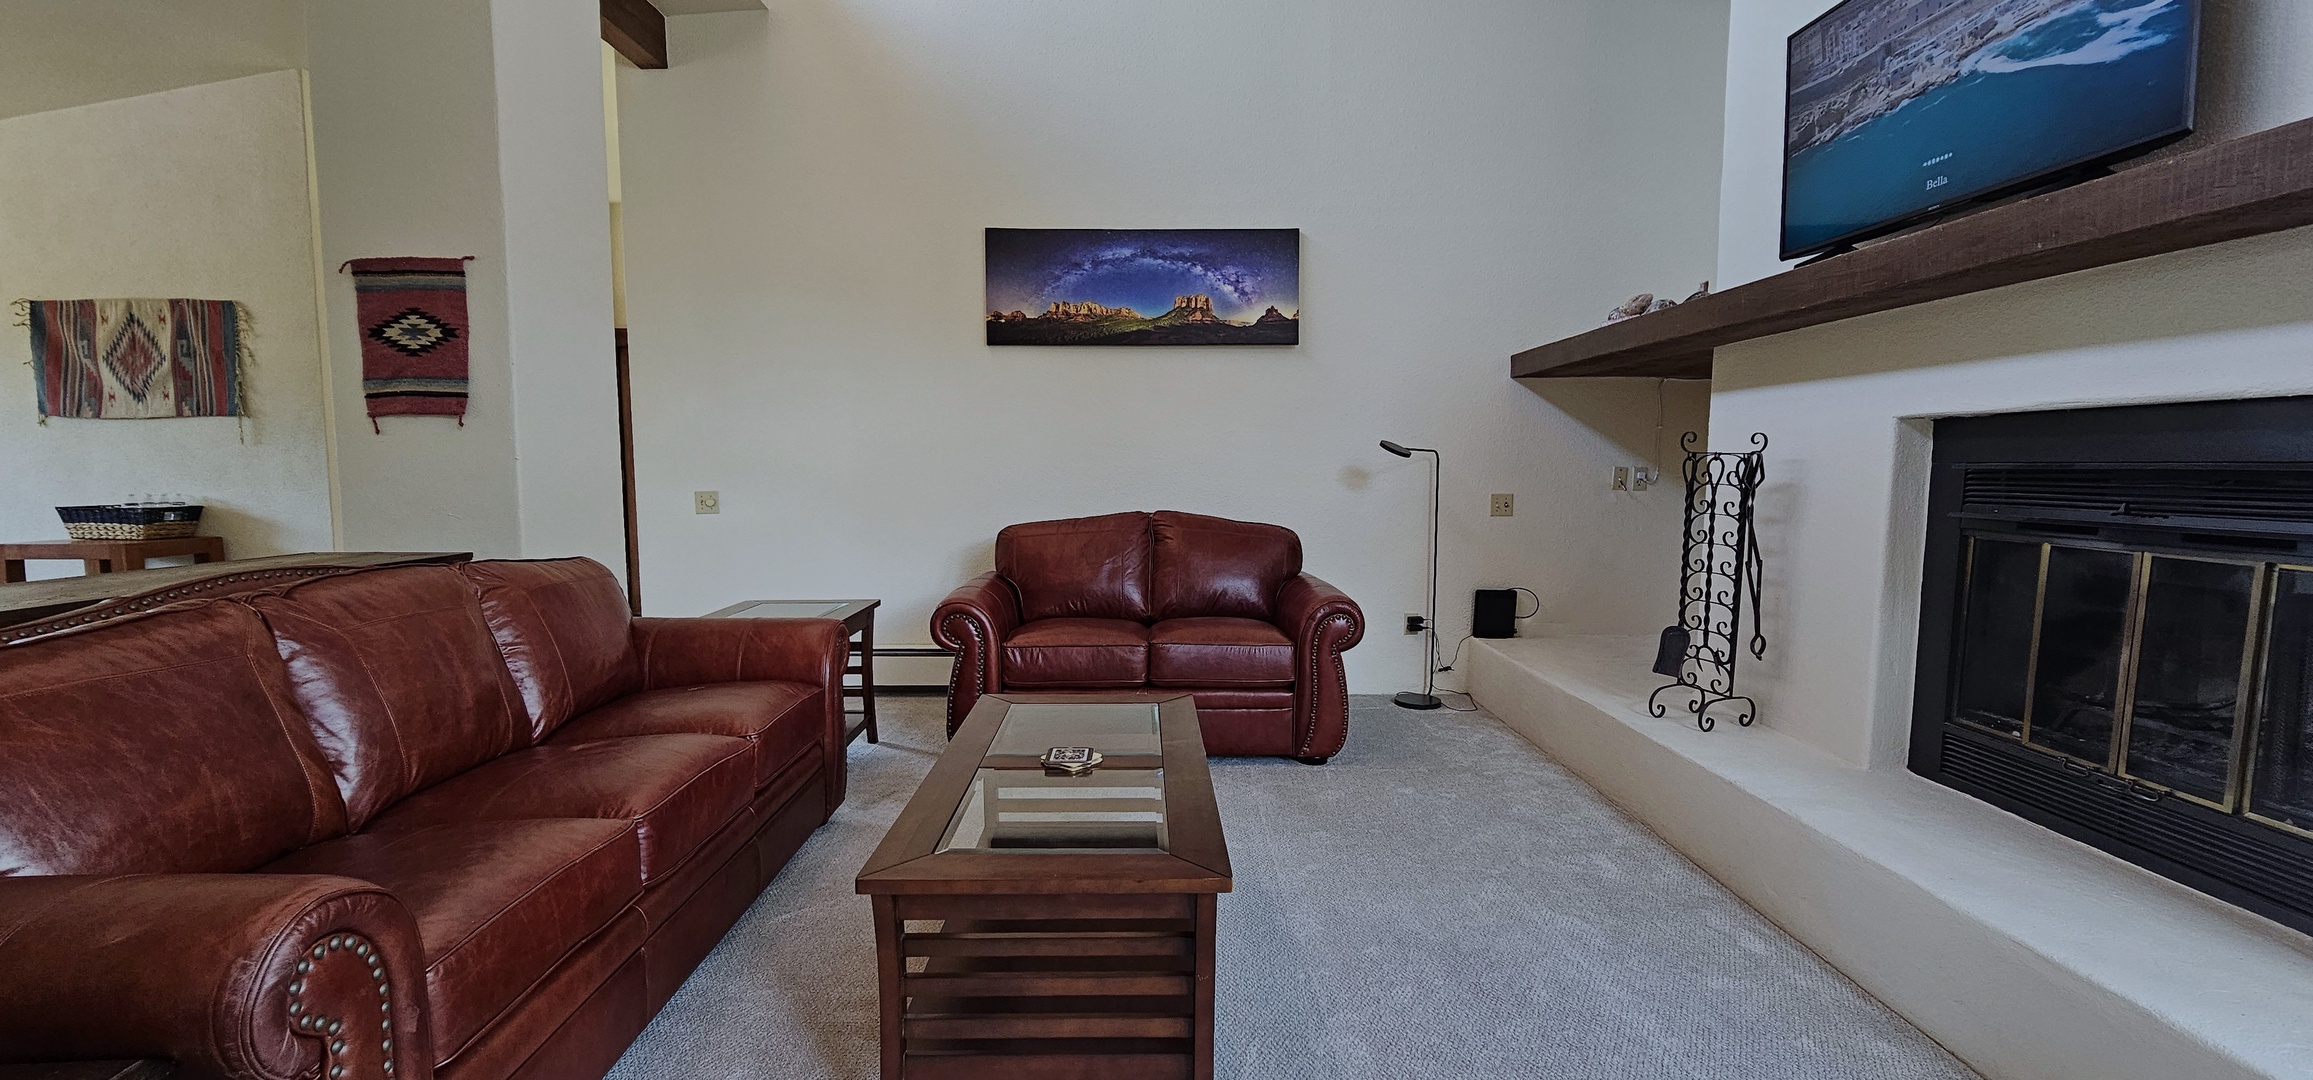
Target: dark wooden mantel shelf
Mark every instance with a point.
(2255, 184)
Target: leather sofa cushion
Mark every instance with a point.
(562, 627)
(1215, 566)
(399, 678)
(1219, 652)
(498, 903)
(677, 790)
(167, 743)
(1077, 652)
(1092, 568)
(780, 720)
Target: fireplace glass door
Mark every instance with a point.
(2281, 776)
(2002, 614)
(2138, 665)
(2084, 609)
(2192, 664)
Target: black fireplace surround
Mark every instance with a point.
(2116, 635)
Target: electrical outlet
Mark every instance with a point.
(706, 502)
(1622, 478)
(1415, 623)
(1642, 478)
(1503, 505)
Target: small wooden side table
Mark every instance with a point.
(106, 556)
(857, 616)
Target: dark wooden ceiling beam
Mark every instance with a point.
(637, 30)
(2242, 187)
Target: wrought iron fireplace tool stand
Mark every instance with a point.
(1719, 571)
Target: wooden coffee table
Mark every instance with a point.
(1033, 925)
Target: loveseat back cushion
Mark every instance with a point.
(1215, 567)
(398, 676)
(1078, 568)
(562, 627)
(161, 744)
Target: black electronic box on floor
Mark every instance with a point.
(1494, 613)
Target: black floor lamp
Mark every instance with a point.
(1426, 698)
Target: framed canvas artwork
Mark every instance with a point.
(1144, 286)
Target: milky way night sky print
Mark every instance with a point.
(1144, 286)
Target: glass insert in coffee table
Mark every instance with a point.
(1024, 809)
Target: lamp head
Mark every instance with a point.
(1396, 449)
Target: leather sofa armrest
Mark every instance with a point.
(256, 976)
(1323, 623)
(972, 623)
(691, 652)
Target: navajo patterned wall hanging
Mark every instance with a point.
(137, 359)
(413, 336)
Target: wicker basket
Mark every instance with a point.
(129, 522)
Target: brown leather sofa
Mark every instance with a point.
(1167, 600)
(468, 821)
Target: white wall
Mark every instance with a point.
(453, 128)
(405, 139)
(56, 54)
(804, 198)
(197, 192)
(1848, 405)
(553, 172)
(2256, 72)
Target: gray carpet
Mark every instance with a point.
(1440, 901)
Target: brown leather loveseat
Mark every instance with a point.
(1166, 600)
(467, 821)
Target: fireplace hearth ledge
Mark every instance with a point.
(2023, 952)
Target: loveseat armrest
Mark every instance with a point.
(1323, 623)
(248, 976)
(693, 652)
(972, 623)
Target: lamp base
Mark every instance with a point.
(1412, 700)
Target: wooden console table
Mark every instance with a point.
(107, 556)
(857, 617)
(26, 606)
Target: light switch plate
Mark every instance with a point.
(1622, 478)
(706, 502)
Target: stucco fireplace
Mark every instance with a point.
(2116, 636)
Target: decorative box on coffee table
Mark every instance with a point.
(1034, 924)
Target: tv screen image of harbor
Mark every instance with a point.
(1897, 107)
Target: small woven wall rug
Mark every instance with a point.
(412, 314)
(137, 359)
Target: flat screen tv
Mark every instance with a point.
(1898, 111)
